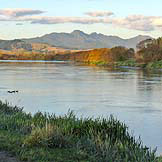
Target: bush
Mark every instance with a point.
(150, 53)
(121, 53)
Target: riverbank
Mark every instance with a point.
(129, 63)
(45, 137)
(115, 57)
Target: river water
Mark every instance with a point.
(133, 96)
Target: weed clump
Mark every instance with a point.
(48, 136)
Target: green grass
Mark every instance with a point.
(45, 137)
(131, 63)
(154, 65)
(98, 63)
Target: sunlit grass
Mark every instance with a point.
(46, 137)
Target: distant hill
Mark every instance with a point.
(77, 40)
(80, 40)
(21, 45)
(17, 44)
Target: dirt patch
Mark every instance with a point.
(5, 157)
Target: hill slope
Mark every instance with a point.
(21, 45)
(16, 44)
(80, 40)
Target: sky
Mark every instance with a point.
(123, 18)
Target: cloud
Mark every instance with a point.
(99, 13)
(158, 22)
(2, 18)
(19, 12)
(19, 24)
(132, 22)
(137, 22)
(59, 20)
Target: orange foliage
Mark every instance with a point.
(98, 55)
(94, 55)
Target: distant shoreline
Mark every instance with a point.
(121, 64)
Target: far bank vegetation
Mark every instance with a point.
(149, 53)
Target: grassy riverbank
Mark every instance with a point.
(45, 137)
(130, 63)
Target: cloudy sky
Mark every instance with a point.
(124, 18)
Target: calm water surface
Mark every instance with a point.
(133, 96)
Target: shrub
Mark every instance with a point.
(121, 53)
(151, 52)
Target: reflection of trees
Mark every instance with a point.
(148, 84)
(149, 73)
(113, 73)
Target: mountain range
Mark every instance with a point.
(74, 40)
(80, 40)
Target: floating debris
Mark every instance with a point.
(13, 91)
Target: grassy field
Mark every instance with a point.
(45, 137)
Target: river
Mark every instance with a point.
(133, 96)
